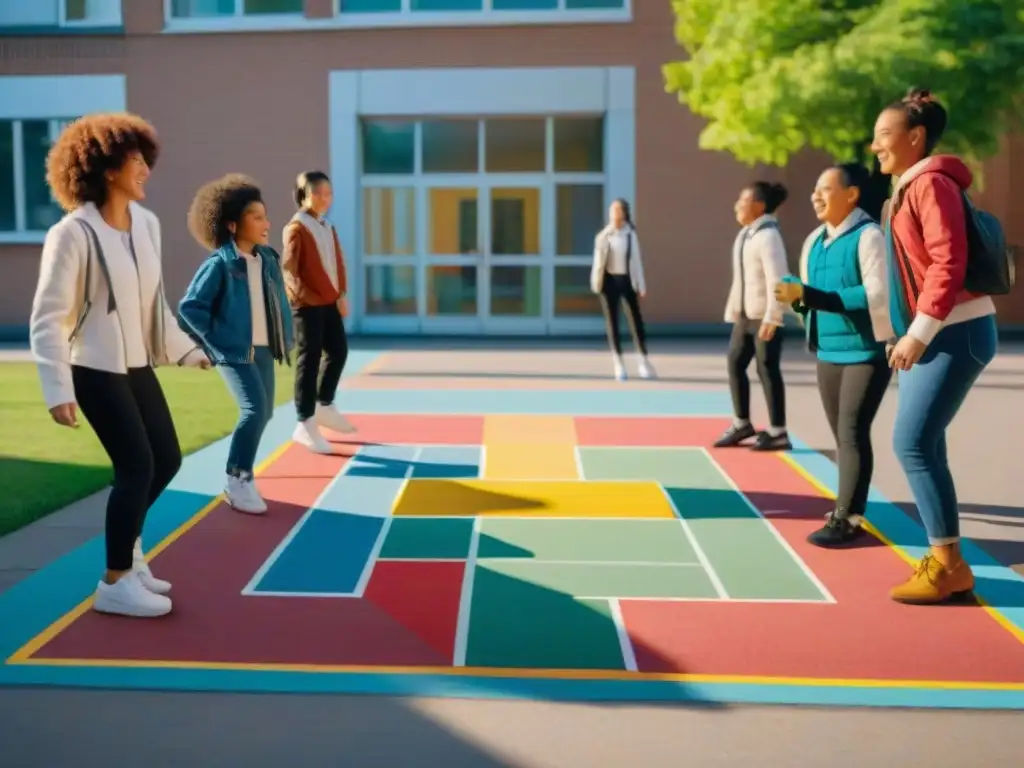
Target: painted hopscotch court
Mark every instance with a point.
(526, 544)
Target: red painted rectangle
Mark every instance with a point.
(632, 432)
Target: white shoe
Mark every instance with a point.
(328, 416)
(620, 370)
(646, 370)
(142, 569)
(308, 434)
(243, 496)
(128, 597)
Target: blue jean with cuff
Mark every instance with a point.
(252, 386)
(930, 395)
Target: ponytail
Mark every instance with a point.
(304, 185)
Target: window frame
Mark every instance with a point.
(406, 17)
(20, 233)
(65, 23)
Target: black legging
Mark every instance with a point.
(744, 346)
(129, 414)
(851, 395)
(321, 353)
(615, 290)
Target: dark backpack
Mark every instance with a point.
(991, 267)
(990, 261)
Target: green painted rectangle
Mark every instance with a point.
(680, 467)
(623, 580)
(516, 623)
(743, 550)
(425, 538)
(644, 541)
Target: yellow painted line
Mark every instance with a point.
(535, 674)
(521, 429)
(545, 461)
(531, 498)
(995, 613)
(48, 634)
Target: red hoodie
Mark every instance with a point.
(930, 231)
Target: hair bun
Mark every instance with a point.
(918, 96)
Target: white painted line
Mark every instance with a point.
(533, 561)
(371, 560)
(775, 532)
(697, 549)
(481, 471)
(466, 597)
(625, 644)
(580, 474)
(782, 601)
(250, 588)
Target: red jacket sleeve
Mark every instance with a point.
(940, 209)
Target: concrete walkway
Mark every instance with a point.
(55, 728)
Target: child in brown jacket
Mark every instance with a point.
(314, 270)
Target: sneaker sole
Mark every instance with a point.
(966, 597)
(132, 613)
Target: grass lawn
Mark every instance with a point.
(44, 467)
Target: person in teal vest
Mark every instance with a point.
(843, 296)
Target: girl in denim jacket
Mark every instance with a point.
(236, 307)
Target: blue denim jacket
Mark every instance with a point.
(216, 310)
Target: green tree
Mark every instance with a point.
(775, 76)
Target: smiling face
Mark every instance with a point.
(130, 180)
(895, 144)
(254, 226)
(748, 208)
(831, 200)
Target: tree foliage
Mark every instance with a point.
(775, 76)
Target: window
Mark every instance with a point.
(491, 10)
(25, 202)
(58, 13)
(197, 9)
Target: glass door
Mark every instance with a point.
(517, 257)
(453, 259)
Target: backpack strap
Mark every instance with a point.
(93, 248)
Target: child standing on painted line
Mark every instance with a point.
(314, 272)
(236, 307)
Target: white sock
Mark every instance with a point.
(776, 431)
(740, 423)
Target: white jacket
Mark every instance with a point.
(874, 268)
(602, 249)
(764, 265)
(60, 295)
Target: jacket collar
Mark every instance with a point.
(857, 215)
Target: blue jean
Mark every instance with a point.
(930, 394)
(252, 386)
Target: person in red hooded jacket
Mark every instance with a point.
(946, 335)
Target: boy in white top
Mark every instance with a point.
(759, 263)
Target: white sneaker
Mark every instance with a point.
(128, 597)
(329, 417)
(646, 370)
(243, 496)
(308, 434)
(620, 370)
(141, 568)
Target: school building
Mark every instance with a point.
(474, 147)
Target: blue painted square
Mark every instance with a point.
(374, 467)
(326, 556)
(447, 461)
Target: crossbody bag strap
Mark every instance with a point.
(87, 292)
(894, 206)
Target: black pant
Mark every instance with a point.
(130, 416)
(851, 395)
(615, 290)
(321, 352)
(744, 346)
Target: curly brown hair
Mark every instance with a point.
(89, 148)
(218, 203)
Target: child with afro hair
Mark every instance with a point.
(100, 324)
(235, 308)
